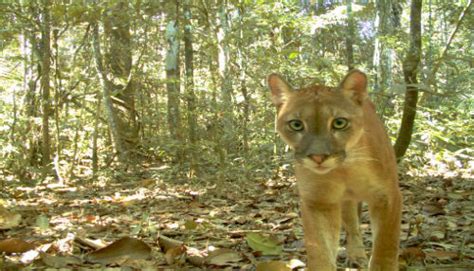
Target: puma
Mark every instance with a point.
(343, 156)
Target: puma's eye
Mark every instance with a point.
(340, 123)
(296, 125)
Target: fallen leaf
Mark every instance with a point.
(8, 219)
(123, 249)
(190, 225)
(59, 261)
(295, 263)
(413, 253)
(443, 255)
(455, 196)
(15, 245)
(436, 235)
(222, 257)
(273, 266)
(29, 256)
(264, 244)
(176, 255)
(147, 183)
(90, 218)
(433, 209)
(42, 222)
(167, 243)
(95, 244)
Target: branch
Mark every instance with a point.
(448, 44)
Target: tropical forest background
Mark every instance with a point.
(148, 125)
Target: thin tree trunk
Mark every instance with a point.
(189, 72)
(172, 72)
(350, 37)
(31, 104)
(189, 81)
(45, 87)
(75, 150)
(106, 90)
(212, 130)
(242, 79)
(118, 64)
(411, 66)
(31, 99)
(58, 105)
(227, 127)
(95, 136)
(433, 72)
(387, 20)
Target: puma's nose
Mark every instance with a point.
(318, 158)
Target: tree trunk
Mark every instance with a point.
(118, 62)
(350, 37)
(172, 72)
(45, 88)
(107, 88)
(58, 105)
(30, 100)
(226, 107)
(242, 62)
(213, 132)
(189, 85)
(387, 20)
(411, 66)
(95, 136)
(189, 73)
(432, 76)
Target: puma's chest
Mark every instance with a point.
(355, 182)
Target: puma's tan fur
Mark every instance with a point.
(343, 156)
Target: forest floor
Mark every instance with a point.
(182, 224)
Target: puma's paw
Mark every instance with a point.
(357, 262)
(357, 258)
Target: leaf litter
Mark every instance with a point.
(149, 223)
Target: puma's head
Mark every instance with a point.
(321, 124)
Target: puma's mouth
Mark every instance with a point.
(319, 168)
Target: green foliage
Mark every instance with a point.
(263, 37)
(443, 141)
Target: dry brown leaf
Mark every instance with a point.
(147, 183)
(8, 219)
(176, 255)
(123, 249)
(273, 266)
(443, 255)
(413, 253)
(59, 261)
(15, 245)
(167, 243)
(95, 244)
(433, 209)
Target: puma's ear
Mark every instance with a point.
(280, 89)
(355, 84)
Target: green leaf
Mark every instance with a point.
(265, 244)
(222, 257)
(190, 225)
(42, 222)
(293, 55)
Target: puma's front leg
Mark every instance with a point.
(321, 224)
(355, 247)
(385, 213)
